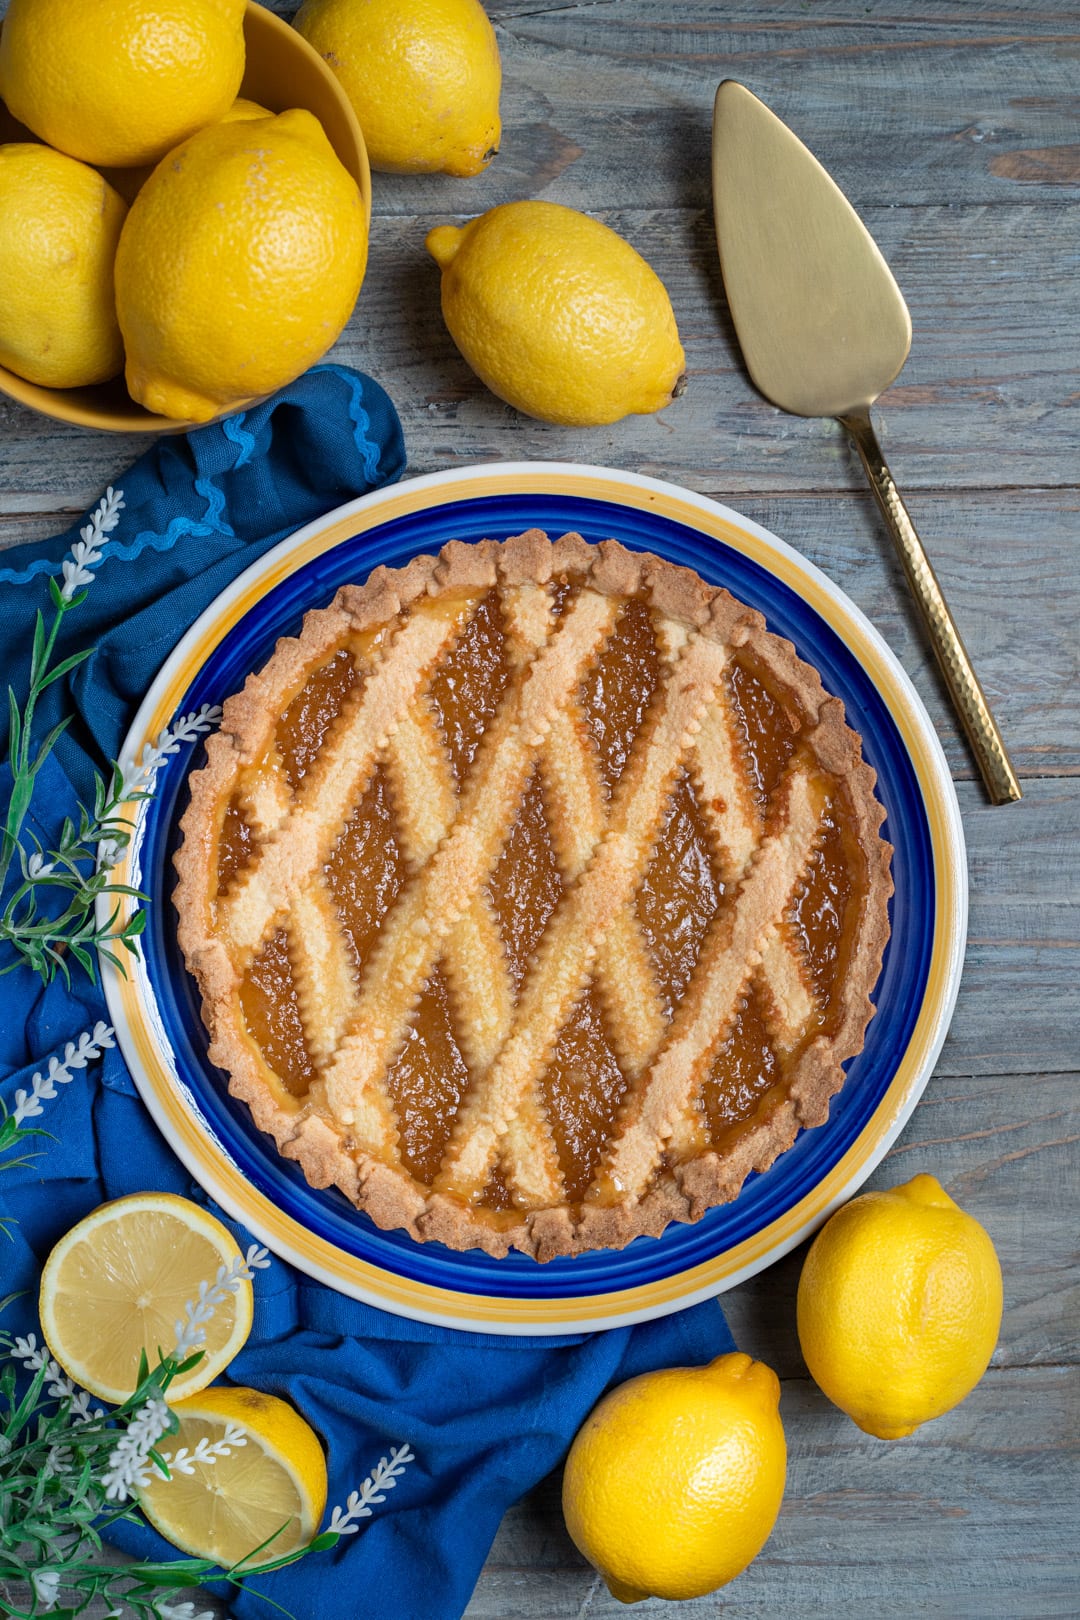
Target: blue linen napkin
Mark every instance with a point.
(486, 1417)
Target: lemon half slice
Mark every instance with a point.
(228, 1505)
(118, 1282)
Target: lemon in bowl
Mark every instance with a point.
(120, 81)
(238, 265)
(62, 222)
(281, 72)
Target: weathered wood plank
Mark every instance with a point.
(1016, 1012)
(971, 1518)
(984, 400)
(1005, 1149)
(931, 101)
(1006, 561)
(611, 101)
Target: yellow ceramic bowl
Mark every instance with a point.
(282, 71)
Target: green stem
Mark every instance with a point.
(20, 801)
(35, 689)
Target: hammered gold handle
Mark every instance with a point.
(968, 697)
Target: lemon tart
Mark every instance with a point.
(536, 894)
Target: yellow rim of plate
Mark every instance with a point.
(426, 1302)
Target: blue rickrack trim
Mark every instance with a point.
(361, 421)
(211, 522)
(23, 576)
(233, 428)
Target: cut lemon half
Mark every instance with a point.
(118, 1283)
(232, 1501)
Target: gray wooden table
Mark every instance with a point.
(953, 128)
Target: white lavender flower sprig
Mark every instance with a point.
(191, 1331)
(135, 780)
(14, 1131)
(86, 553)
(60, 1072)
(46, 1585)
(58, 1386)
(81, 863)
(359, 1503)
(88, 550)
(185, 1460)
(130, 1464)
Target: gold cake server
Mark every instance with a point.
(824, 329)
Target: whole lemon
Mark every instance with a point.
(899, 1307)
(243, 110)
(61, 224)
(674, 1481)
(558, 315)
(423, 77)
(120, 82)
(129, 182)
(238, 266)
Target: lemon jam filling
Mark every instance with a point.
(690, 880)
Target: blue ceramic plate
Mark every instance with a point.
(156, 1012)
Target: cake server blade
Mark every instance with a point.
(824, 329)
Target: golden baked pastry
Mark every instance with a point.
(536, 893)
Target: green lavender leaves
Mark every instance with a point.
(45, 936)
(52, 916)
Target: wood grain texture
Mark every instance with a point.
(972, 1516)
(1005, 1149)
(609, 100)
(1016, 1009)
(954, 131)
(984, 400)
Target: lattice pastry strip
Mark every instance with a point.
(578, 820)
(425, 805)
(302, 843)
(736, 827)
(318, 953)
(426, 801)
(413, 934)
(570, 946)
(623, 972)
(731, 950)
